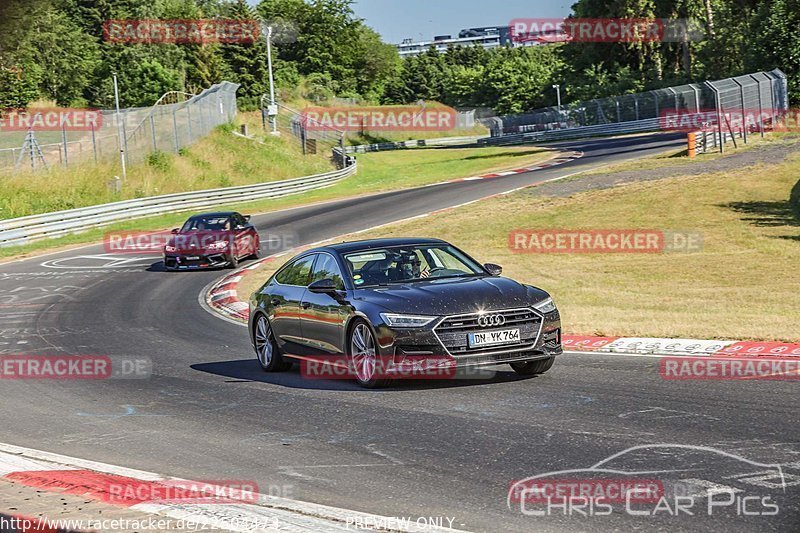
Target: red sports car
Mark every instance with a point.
(212, 240)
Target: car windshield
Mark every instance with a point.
(210, 223)
(409, 264)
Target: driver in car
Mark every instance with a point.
(410, 267)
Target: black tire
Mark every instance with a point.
(361, 335)
(257, 253)
(532, 368)
(233, 261)
(268, 354)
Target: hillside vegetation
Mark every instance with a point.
(219, 160)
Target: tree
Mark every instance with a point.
(247, 62)
(421, 78)
(207, 67)
(518, 80)
(17, 87)
(776, 42)
(67, 56)
(325, 37)
(374, 62)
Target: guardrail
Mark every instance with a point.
(599, 130)
(380, 147)
(24, 230)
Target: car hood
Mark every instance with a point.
(453, 296)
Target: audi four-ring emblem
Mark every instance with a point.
(486, 321)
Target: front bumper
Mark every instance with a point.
(196, 261)
(402, 345)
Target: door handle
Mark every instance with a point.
(306, 305)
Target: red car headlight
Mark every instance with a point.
(219, 245)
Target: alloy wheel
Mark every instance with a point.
(264, 345)
(362, 349)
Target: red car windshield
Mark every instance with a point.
(206, 224)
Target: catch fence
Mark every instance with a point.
(736, 107)
(175, 121)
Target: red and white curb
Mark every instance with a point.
(100, 482)
(222, 299)
(678, 347)
(560, 160)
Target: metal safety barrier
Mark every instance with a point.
(24, 230)
(443, 141)
(598, 130)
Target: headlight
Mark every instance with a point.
(406, 321)
(545, 306)
(169, 248)
(219, 245)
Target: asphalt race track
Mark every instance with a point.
(448, 449)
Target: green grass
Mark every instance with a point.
(381, 171)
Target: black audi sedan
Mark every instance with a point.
(394, 308)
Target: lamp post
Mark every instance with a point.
(558, 96)
(120, 130)
(273, 107)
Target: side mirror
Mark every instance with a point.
(175, 231)
(492, 269)
(323, 286)
(247, 218)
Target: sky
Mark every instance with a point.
(422, 19)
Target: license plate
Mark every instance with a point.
(192, 257)
(493, 338)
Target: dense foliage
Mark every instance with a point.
(54, 49)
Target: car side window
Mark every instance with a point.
(297, 273)
(327, 268)
(237, 221)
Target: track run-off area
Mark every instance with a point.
(434, 449)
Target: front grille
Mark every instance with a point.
(453, 331)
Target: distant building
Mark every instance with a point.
(488, 37)
(503, 32)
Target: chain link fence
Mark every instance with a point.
(312, 136)
(175, 121)
(742, 105)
